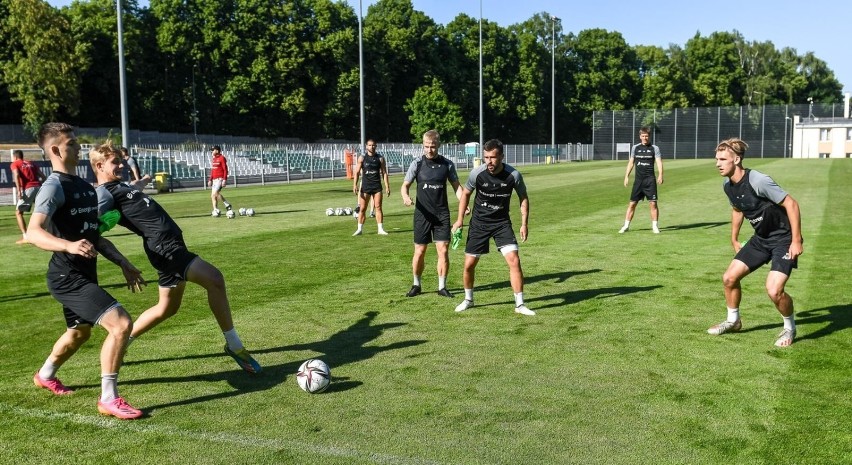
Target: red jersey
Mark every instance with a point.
(219, 167)
(28, 173)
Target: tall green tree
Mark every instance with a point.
(94, 26)
(401, 53)
(430, 108)
(665, 83)
(43, 63)
(606, 73)
(265, 68)
(715, 68)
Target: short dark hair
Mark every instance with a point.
(18, 154)
(645, 130)
(216, 147)
(493, 144)
(50, 130)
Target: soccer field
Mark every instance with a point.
(616, 367)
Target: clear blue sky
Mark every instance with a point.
(821, 27)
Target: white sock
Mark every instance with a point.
(360, 225)
(233, 340)
(416, 280)
(468, 294)
(519, 299)
(442, 282)
(733, 314)
(789, 322)
(626, 224)
(48, 370)
(109, 386)
(381, 227)
(654, 224)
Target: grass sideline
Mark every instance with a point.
(615, 368)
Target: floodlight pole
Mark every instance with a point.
(194, 109)
(481, 123)
(786, 119)
(553, 20)
(125, 140)
(361, 73)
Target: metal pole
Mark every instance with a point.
(194, 110)
(361, 73)
(125, 139)
(786, 118)
(481, 121)
(553, 20)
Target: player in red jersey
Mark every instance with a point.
(28, 179)
(218, 179)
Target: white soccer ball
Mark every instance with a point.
(347, 211)
(314, 376)
(230, 214)
(329, 212)
(215, 213)
(242, 211)
(250, 212)
(338, 211)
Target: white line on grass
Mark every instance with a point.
(138, 426)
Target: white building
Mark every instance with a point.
(823, 137)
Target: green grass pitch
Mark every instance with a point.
(615, 368)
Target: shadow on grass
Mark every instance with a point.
(560, 277)
(349, 345)
(38, 295)
(677, 227)
(830, 319)
(573, 297)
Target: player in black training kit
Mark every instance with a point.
(494, 182)
(167, 252)
(643, 156)
(372, 170)
(65, 222)
(431, 211)
(777, 238)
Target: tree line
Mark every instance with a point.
(271, 68)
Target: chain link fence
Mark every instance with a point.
(695, 132)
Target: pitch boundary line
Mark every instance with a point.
(138, 426)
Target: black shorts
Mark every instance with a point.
(759, 251)
(83, 301)
(371, 189)
(479, 236)
(171, 262)
(430, 228)
(644, 188)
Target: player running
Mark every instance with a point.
(167, 252)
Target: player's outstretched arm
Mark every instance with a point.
(132, 275)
